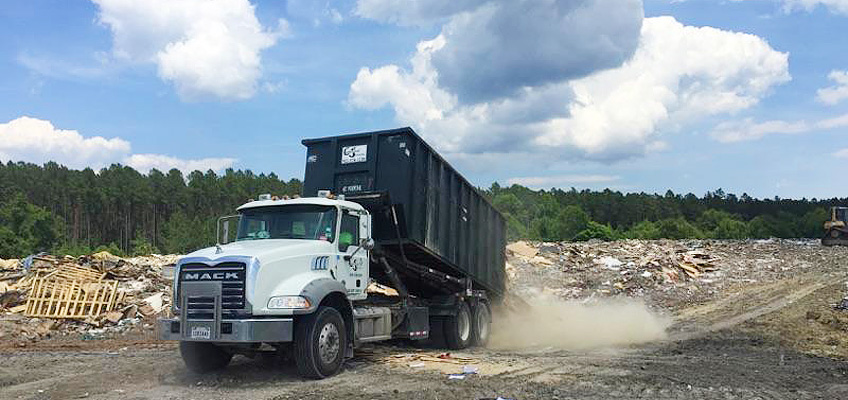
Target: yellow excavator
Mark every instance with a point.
(836, 230)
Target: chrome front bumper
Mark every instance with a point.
(234, 331)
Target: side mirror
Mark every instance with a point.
(224, 234)
(366, 244)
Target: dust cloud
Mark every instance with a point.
(569, 325)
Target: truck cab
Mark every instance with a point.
(290, 257)
(308, 239)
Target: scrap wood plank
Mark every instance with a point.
(452, 360)
(18, 309)
(12, 276)
(21, 284)
(690, 270)
(73, 272)
(429, 358)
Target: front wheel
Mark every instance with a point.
(320, 340)
(204, 357)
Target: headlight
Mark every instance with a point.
(290, 302)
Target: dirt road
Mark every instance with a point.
(720, 366)
(706, 358)
(723, 365)
(767, 334)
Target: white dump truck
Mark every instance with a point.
(378, 208)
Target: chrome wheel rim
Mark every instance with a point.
(463, 322)
(328, 343)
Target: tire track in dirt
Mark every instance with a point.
(747, 304)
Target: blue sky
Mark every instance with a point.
(750, 96)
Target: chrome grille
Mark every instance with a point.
(231, 275)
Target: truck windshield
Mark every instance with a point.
(288, 222)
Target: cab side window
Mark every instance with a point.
(349, 232)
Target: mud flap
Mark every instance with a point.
(416, 325)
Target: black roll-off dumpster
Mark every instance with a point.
(443, 222)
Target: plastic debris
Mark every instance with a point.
(609, 262)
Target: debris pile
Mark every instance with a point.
(666, 273)
(92, 295)
(414, 359)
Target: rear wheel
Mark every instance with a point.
(204, 357)
(457, 328)
(320, 340)
(481, 324)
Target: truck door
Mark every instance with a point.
(353, 268)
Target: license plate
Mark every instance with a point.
(201, 332)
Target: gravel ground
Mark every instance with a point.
(775, 336)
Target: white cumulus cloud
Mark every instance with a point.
(145, 162)
(492, 49)
(319, 12)
(836, 6)
(748, 129)
(836, 93)
(677, 75)
(38, 141)
(207, 49)
(841, 153)
(413, 12)
(561, 180)
(835, 122)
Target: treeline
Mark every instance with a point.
(53, 208)
(56, 209)
(609, 215)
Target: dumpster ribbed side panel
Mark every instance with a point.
(442, 214)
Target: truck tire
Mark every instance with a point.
(481, 324)
(203, 357)
(320, 340)
(457, 328)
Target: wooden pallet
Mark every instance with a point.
(71, 292)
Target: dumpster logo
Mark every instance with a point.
(354, 154)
